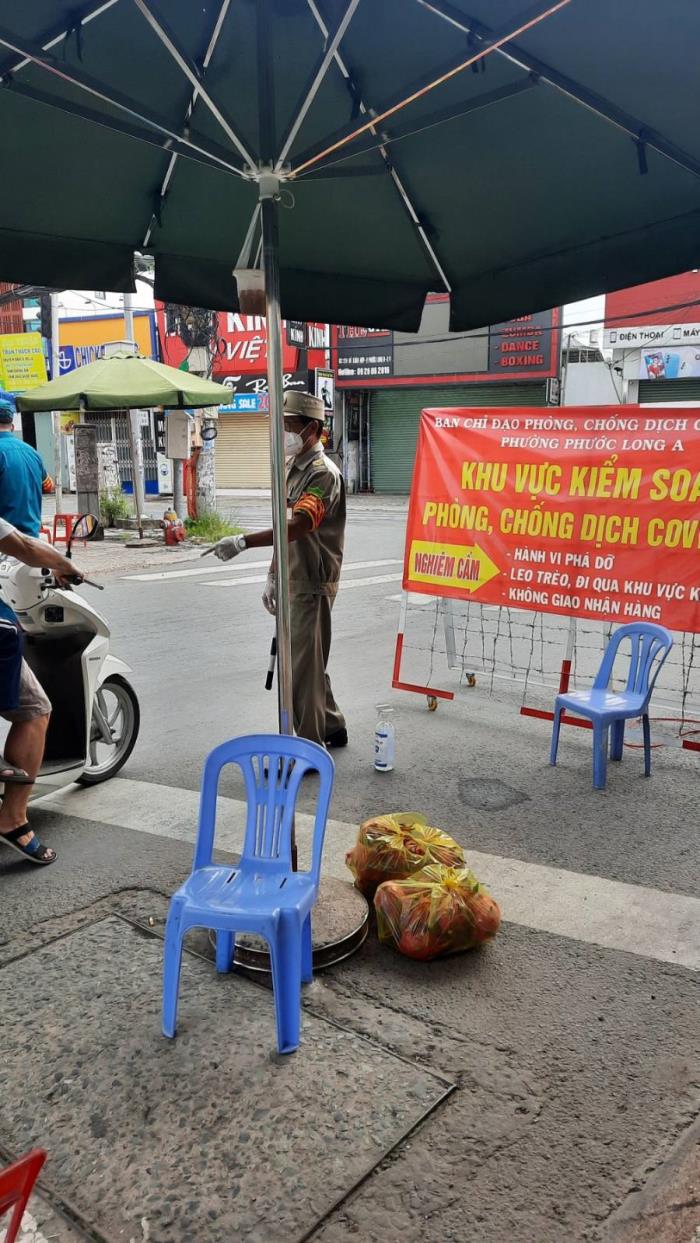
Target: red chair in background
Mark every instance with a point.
(65, 522)
(16, 1183)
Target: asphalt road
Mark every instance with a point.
(199, 650)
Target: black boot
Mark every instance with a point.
(338, 739)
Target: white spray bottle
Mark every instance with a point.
(384, 740)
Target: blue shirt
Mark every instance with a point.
(21, 476)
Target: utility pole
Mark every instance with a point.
(134, 425)
(178, 488)
(55, 345)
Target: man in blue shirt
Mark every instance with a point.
(22, 474)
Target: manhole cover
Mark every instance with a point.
(489, 794)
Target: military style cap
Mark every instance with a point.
(304, 405)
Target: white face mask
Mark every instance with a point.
(293, 444)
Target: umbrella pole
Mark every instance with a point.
(270, 233)
(133, 419)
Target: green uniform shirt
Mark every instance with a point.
(315, 487)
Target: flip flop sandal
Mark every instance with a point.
(10, 775)
(35, 851)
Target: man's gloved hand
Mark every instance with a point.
(229, 547)
(269, 596)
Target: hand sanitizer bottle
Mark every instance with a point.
(384, 740)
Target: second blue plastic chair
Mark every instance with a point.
(261, 895)
(608, 709)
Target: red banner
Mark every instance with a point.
(586, 511)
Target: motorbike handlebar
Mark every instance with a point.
(49, 580)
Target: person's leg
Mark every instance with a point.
(335, 727)
(24, 747)
(308, 668)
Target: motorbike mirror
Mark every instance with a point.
(85, 527)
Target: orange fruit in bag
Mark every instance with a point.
(397, 845)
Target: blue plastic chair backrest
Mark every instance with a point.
(650, 646)
(273, 766)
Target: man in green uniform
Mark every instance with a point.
(316, 532)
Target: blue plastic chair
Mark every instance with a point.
(605, 708)
(262, 894)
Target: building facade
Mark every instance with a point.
(233, 348)
(653, 334)
(386, 379)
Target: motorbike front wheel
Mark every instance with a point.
(113, 730)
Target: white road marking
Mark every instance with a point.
(212, 568)
(208, 568)
(582, 907)
(345, 583)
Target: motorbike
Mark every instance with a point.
(95, 712)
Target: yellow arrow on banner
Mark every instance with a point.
(466, 567)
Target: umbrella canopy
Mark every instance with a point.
(513, 154)
(124, 381)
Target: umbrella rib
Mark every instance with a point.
(84, 83)
(635, 129)
(57, 34)
(225, 4)
(458, 112)
(194, 76)
(317, 79)
(490, 45)
(244, 256)
(389, 164)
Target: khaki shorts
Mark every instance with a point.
(33, 700)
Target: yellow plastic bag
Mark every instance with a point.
(391, 847)
(439, 910)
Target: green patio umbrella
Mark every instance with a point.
(124, 381)
(511, 154)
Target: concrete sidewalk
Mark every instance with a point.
(520, 1093)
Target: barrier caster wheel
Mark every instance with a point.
(471, 679)
(432, 703)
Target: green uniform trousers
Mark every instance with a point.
(316, 714)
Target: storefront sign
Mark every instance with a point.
(295, 333)
(239, 344)
(522, 344)
(83, 339)
(324, 387)
(249, 393)
(159, 430)
(364, 353)
(527, 348)
(22, 363)
(247, 403)
(587, 513)
(651, 335)
(679, 364)
(72, 356)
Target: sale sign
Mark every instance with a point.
(588, 511)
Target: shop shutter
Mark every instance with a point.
(395, 414)
(669, 391)
(243, 451)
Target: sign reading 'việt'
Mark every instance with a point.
(586, 512)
